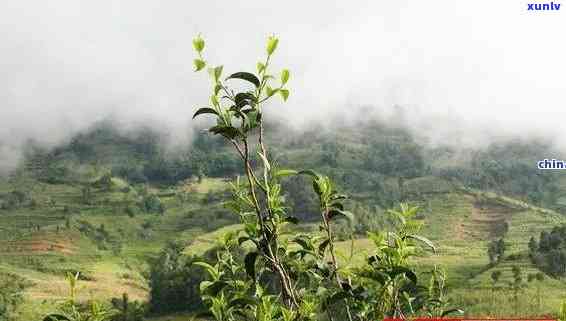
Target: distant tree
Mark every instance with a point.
(533, 246)
(86, 193)
(516, 285)
(174, 282)
(495, 275)
(496, 250)
(152, 204)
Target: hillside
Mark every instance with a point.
(108, 203)
(101, 240)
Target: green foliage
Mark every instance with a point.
(550, 255)
(152, 204)
(496, 250)
(128, 310)
(71, 310)
(11, 296)
(404, 158)
(174, 282)
(298, 277)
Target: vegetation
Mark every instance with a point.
(279, 281)
(157, 233)
(549, 254)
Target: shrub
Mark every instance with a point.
(277, 281)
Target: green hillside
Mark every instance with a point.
(109, 203)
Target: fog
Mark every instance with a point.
(465, 71)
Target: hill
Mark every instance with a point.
(108, 202)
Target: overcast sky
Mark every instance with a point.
(485, 66)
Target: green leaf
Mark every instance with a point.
(337, 205)
(212, 288)
(260, 67)
(209, 268)
(245, 76)
(218, 73)
(303, 243)
(373, 259)
(337, 212)
(317, 187)
(243, 239)
(243, 99)
(291, 219)
(205, 110)
(422, 239)
(250, 264)
(403, 270)
(199, 64)
(322, 247)
(309, 172)
(226, 131)
(242, 302)
(336, 196)
(56, 317)
(284, 76)
(239, 113)
(284, 94)
(271, 45)
(214, 101)
(448, 312)
(217, 89)
(198, 44)
(285, 172)
(270, 91)
(337, 297)
(253, 118)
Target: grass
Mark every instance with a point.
(42, 257)
(459, 222)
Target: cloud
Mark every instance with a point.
(474, 65)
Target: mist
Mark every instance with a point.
(466, 72)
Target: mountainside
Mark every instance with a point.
(108, 202)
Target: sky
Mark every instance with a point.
(473, 69)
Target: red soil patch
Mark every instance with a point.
(37, 246)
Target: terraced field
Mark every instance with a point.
(459, 222)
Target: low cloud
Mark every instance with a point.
(464, 69)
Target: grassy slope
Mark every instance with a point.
(43, 257)
(461, 227)
(459, 222)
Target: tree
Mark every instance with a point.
(516, 285)
(495, 275)
(496, 250)
(173, 281)
(533, 246)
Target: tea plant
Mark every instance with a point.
(71, 310)
(298, 277)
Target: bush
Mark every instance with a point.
(280, 281)
(174, 281)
